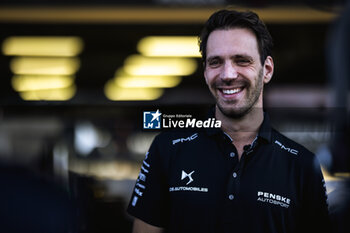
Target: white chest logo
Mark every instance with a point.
(273, 199)
(189, 175)
(190, 138)
(290, 150)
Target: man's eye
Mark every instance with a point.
(243, 62)
(214, 62)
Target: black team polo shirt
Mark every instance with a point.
(192, 181)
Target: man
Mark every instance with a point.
(244, 177)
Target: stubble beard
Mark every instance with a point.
(250, 101)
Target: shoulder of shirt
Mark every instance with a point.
(289, 146)
(305, 159)
(167, 143)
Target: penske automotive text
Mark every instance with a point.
(273, 199)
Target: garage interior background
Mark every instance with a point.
(72, 114)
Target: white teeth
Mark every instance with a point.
(229, 92)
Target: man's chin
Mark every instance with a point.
(235, 113)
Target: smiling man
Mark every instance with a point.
(236, 75)
(246, 176)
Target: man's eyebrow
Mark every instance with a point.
(244, 56)
(212, 57)
(237, 56)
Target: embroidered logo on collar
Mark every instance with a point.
(190, 138)
(189, 175)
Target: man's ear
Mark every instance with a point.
(268, 69)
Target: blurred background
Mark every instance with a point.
(77, 75)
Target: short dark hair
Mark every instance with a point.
(229, 19)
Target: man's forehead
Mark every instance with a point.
(236, 41)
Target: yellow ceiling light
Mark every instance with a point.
(59, 94)
(137, 65)
(44, 66)
(147, 81)
(116, 93)
(176, 46)
(39, 82)
(42, 46)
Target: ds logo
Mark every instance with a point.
(151, 120)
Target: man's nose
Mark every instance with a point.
(229, 71)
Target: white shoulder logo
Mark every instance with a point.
(190, 138)
(290, 150)
(189, 175)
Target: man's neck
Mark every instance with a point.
(242, 130)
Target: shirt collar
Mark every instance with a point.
(264, 131)
(265, 128)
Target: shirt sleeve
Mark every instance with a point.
(315, 207)
(149, 200)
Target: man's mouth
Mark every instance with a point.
(231, 91)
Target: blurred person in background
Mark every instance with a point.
(244, 176)
(31, 203)
(338, 60)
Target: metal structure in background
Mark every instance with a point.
(338, 51)
(152, 3)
